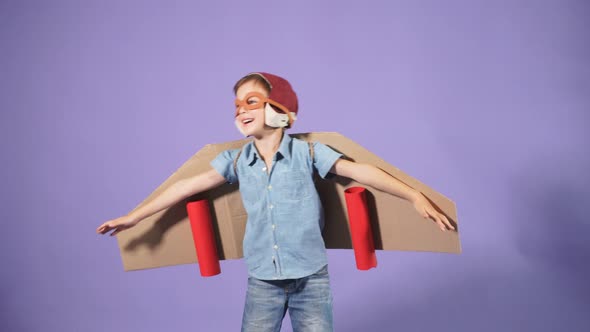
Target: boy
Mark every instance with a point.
(283, 246)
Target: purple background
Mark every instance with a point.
(486, 102)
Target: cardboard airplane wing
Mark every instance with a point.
(165, 238)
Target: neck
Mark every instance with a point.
(268, 143)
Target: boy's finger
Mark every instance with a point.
(446, 220)
(105, 229)
(436, 217)
(440, 224)
(118, 230)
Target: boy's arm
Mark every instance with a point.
(179, 191)
(372, 176)
(173, 194)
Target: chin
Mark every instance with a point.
(250, 132)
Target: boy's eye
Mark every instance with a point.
(252, 101)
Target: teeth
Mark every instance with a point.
(247, 120)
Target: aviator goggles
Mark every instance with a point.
(255, 100)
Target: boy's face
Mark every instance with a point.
(250, 122)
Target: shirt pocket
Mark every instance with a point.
(294, 186)
(250, 189)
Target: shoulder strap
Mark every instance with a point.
(236, 161)
(311, 154)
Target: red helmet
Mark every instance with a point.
(281, 91)
(281, 95)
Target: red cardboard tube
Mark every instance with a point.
(360, 228)
(204, 237)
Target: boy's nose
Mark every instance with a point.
(241, 110)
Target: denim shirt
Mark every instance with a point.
(283, 238)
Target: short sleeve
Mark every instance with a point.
(324, 158)
(224, 165)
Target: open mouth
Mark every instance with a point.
(247, 121)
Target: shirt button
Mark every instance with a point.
(264, 169)
(276, 247)
(270, 206)
(273, 226)
(269, 187)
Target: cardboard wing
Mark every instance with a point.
(165, 238)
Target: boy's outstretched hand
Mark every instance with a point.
(120, 224)
(426, 210)
(377, 178)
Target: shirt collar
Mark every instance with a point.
(284, 150)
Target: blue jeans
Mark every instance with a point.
(309, 300)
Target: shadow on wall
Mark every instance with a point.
(553, 226)
(499, 299)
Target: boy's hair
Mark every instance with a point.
(252, 77)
